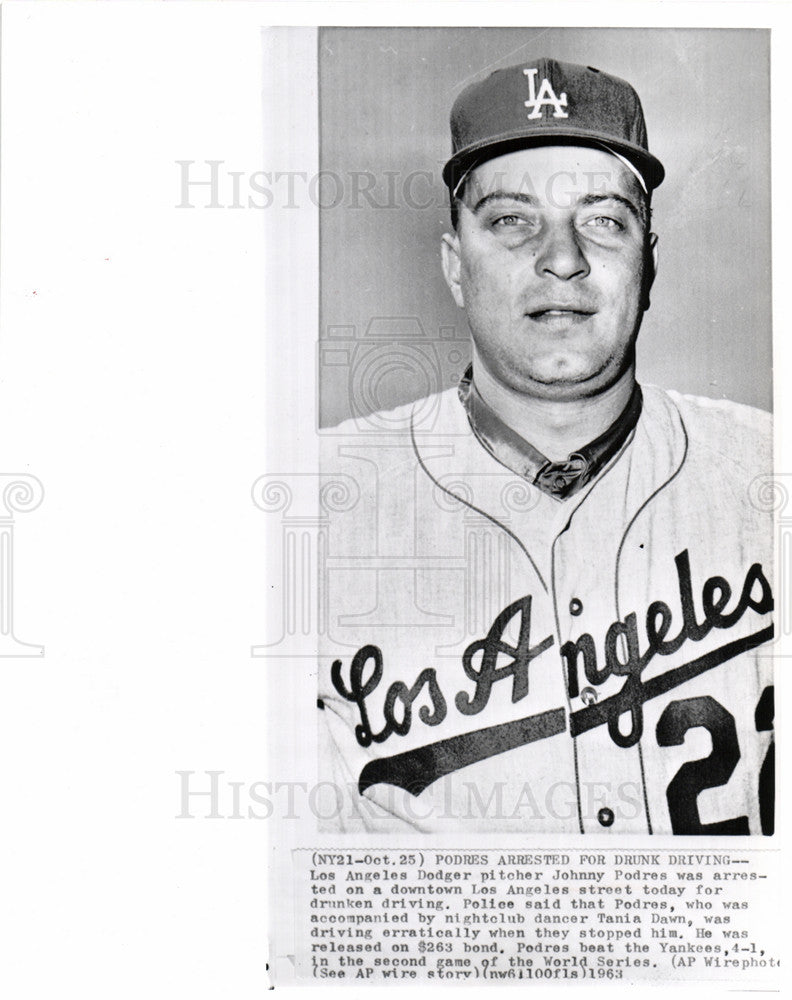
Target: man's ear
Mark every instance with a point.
(650, 269)
(452, 265)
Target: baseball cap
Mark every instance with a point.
(545, 102)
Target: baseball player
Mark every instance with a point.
(549, 594)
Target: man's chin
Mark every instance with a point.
(561, 381)
(560, 375)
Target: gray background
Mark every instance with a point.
(390, 331)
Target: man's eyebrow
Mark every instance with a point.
(525, 199)
(533, 201)
(596, 199)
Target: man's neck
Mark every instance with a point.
(555, 428)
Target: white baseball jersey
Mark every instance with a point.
(495, 659)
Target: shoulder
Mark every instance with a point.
(731, 431)
(721, 413)
(421, 416)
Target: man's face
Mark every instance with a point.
(548, 262)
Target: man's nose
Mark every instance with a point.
(560, 254)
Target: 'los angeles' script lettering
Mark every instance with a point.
(499, 660)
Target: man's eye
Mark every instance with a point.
(604, 222)
(506, 221)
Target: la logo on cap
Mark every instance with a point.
(546, 95)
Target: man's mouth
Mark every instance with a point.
(556, 313)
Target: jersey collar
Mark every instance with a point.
(558, 479)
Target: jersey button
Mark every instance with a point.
(575, 606)
(588, 696)
(605, 817)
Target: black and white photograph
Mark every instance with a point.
(544, 390)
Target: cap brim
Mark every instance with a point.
(650, 168)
